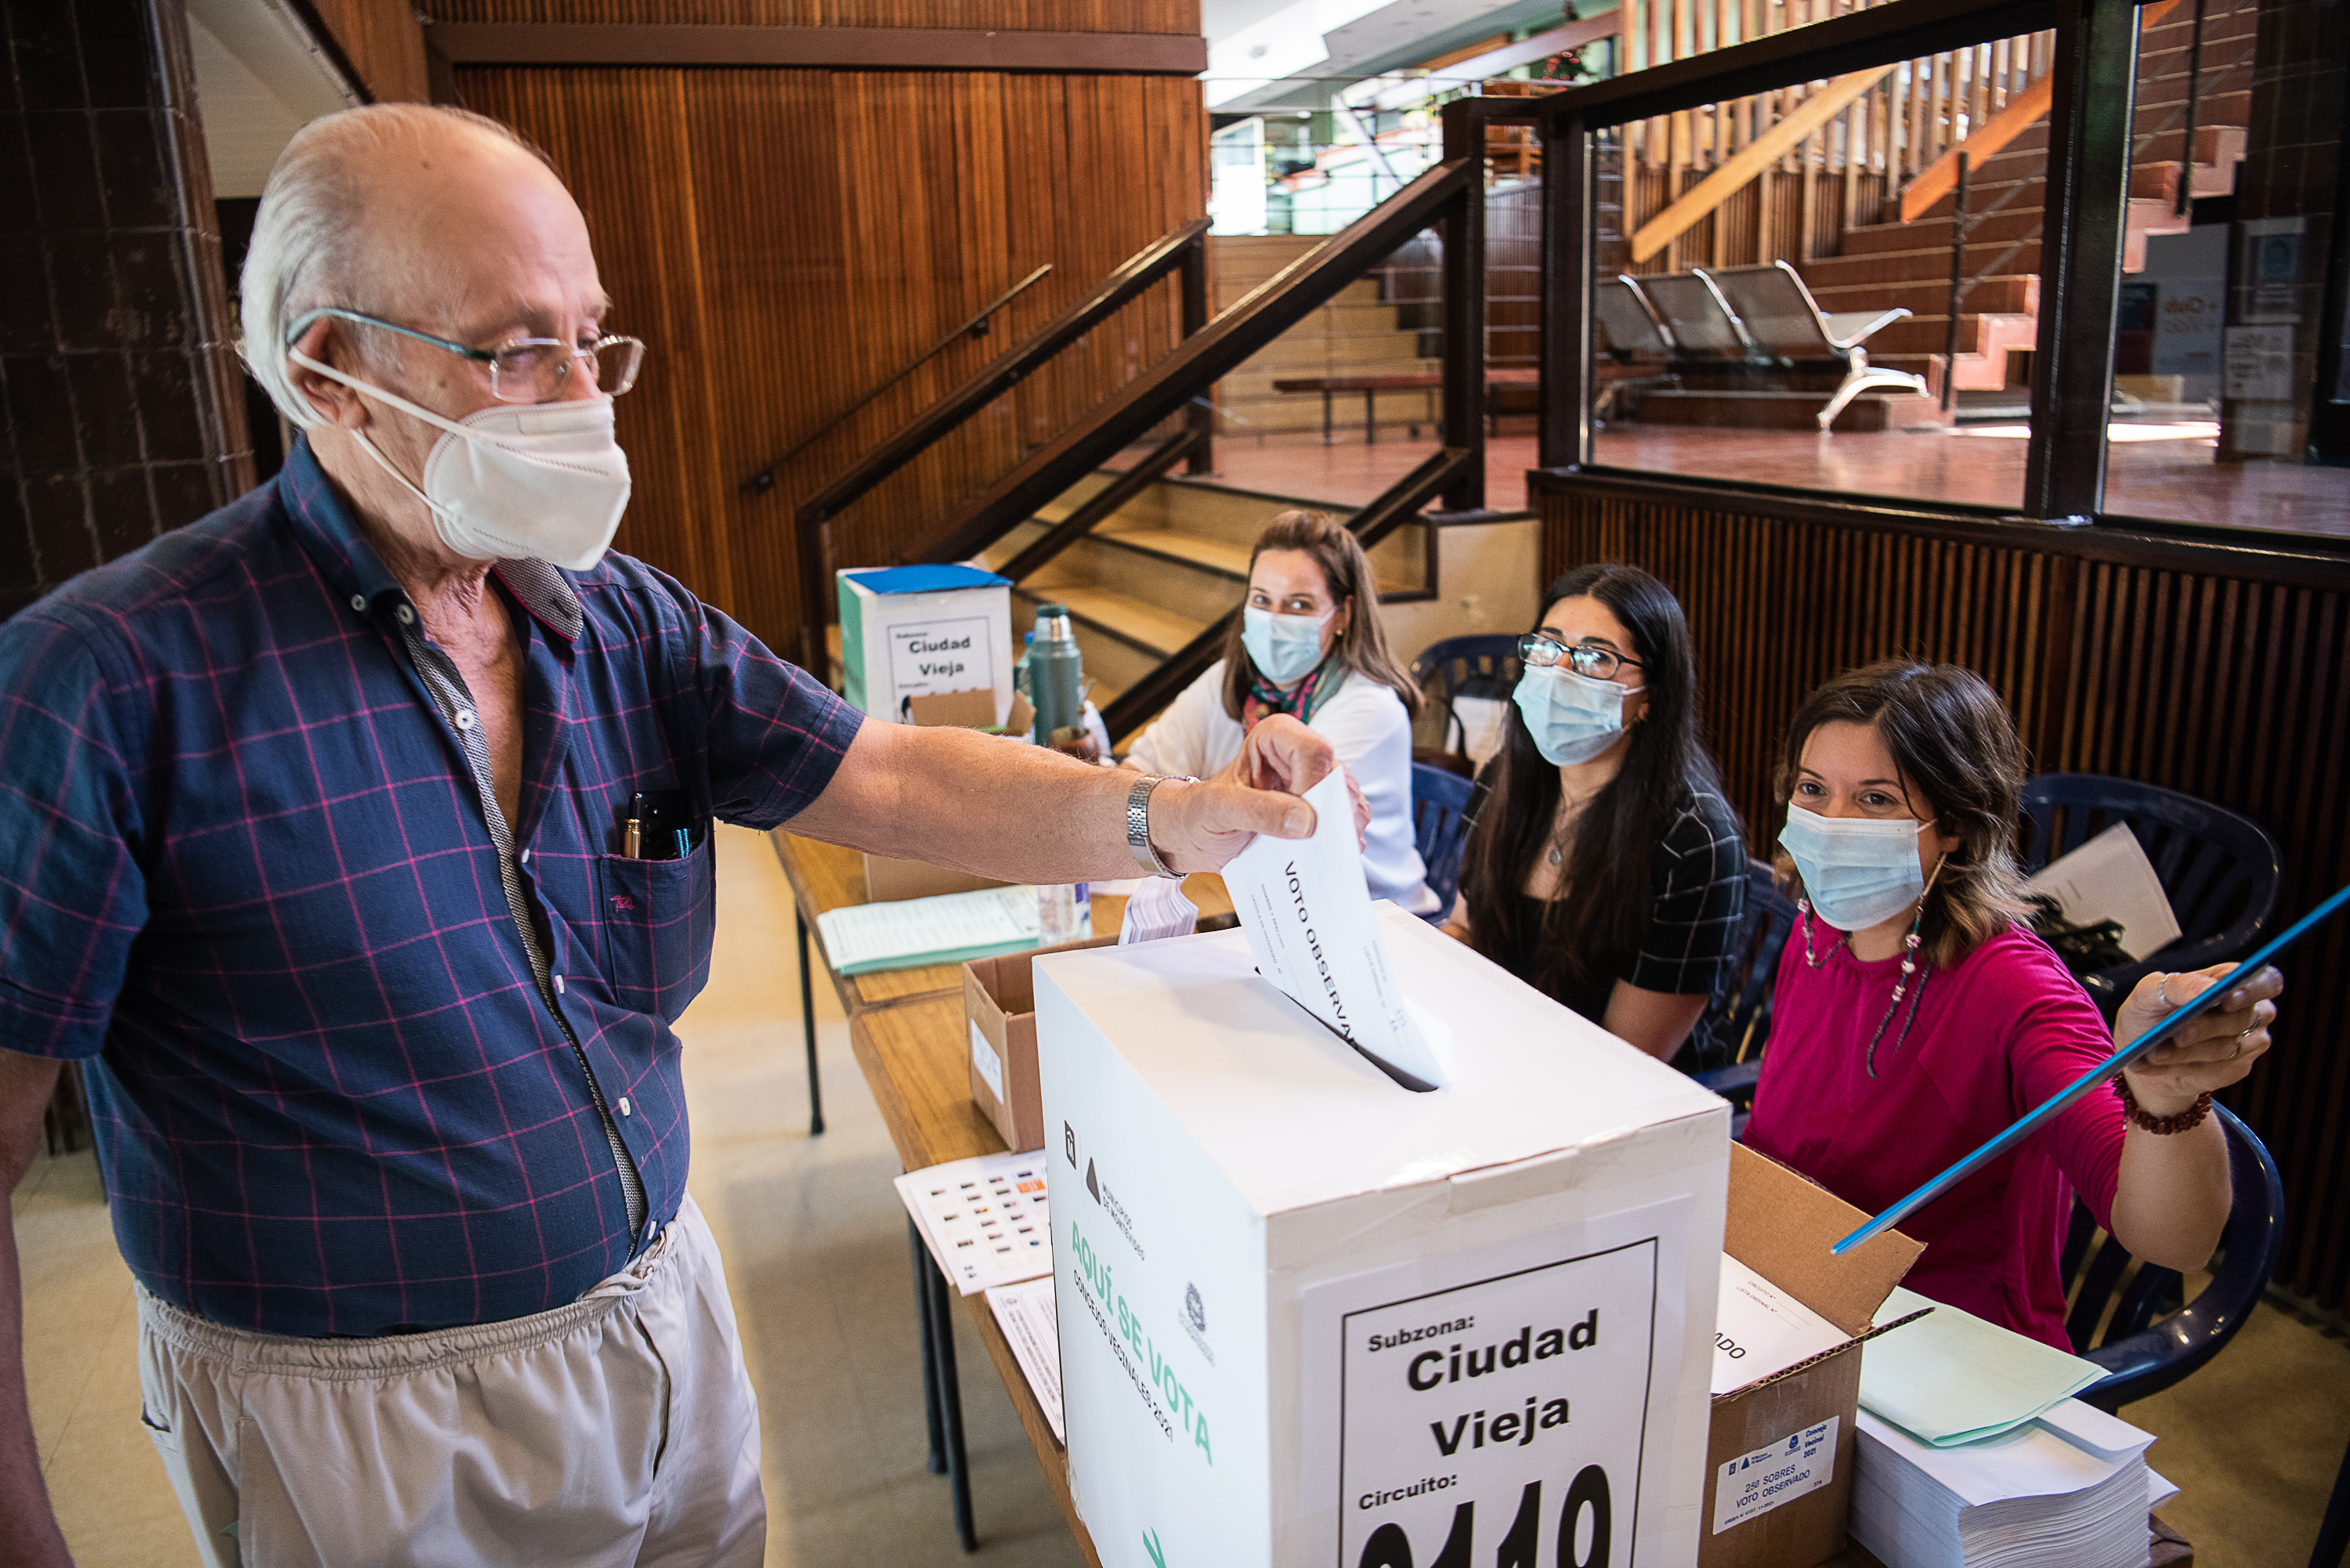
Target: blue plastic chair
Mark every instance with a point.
(1444, 668)
(2219, 870)
(1441, 819)
(1738, 1019)
(2142, 1356)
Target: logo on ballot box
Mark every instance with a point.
(1500, 1421)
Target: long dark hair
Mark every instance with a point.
(1590, 936)
(1953, 740)
(1346, 572)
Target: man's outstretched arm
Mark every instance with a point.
(29, 1537)
(1003, 808)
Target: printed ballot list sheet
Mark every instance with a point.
(1307, 913)
(984, 1218)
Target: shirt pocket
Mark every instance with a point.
(657, 918)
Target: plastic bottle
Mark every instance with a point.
(1056, 673)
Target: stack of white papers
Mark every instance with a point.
(2070, 1489)
(950, 928)
(1951, 1377)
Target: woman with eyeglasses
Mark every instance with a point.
(1308, 642)
(1916, 1015)
(1606, 868)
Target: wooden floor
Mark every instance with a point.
(2159, 472)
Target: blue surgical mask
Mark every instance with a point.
(1573, 717)
(1858, 872)
(1285, 648)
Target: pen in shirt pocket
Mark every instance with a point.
(656, 826)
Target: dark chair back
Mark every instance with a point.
(2219, 870)
(1701, 320)
(2142, 1356)
(1445, 669)
(1738, 1020)
(1441, 817)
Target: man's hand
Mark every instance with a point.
(1201, 826)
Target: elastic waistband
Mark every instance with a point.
(399, 1355)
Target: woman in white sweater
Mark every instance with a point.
(1309, 643)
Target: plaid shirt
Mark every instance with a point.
(248, 876)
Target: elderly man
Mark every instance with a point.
(313, 849)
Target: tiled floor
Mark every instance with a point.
(2156, 471)
(817, 1254)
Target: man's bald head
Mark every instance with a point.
(432, 217)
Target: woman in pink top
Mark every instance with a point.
(1916, 1015)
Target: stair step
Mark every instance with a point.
(1137, 621)
(1926, 294)
(2011, 222)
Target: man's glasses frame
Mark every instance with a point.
(519, 369)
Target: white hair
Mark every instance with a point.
(311, 245)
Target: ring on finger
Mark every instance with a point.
(2243, 1038)
(2162, 993)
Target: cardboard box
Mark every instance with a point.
(1310, 1317)
(999, 1004)
(1775, 1436)
(909, 632)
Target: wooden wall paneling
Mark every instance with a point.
(1052, 15)
(384, 43)
(620, 139)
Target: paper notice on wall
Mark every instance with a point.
(1307, 912)
(1760, 1329)
(2110, 879)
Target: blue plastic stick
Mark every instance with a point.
(2102, 1073)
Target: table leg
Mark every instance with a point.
(1371, 418)
(943, 1357)
(807, 1024)
(1326, 437)
(929, 1365)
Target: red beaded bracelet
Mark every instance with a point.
(2162, 1126)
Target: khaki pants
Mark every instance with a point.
(620, 1429)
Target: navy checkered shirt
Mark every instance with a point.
(246, 878)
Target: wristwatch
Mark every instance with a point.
(1137, 823)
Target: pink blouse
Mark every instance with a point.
(1994, 1037)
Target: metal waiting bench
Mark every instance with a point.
(1779, 316)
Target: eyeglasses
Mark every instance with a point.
(1542, 651)
(522, 369)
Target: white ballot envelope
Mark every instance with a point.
(1307, 912)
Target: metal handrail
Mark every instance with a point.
(1183, 247)
(976, 327)
(1211, 353)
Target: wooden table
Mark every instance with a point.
(908, 1030)
(915, 1062)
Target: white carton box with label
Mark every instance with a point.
(924, 632)
(1309, 1317)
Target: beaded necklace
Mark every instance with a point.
(1900, 986)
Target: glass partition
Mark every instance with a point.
(1775, 277)
(2217, 344)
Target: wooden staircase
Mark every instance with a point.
(1362, 332)
(1165, 567)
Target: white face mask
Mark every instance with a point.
(542, 481)
(1858, 872)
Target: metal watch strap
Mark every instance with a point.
(1137, 823)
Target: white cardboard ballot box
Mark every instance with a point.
(924, 632)
(1308, 1316)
